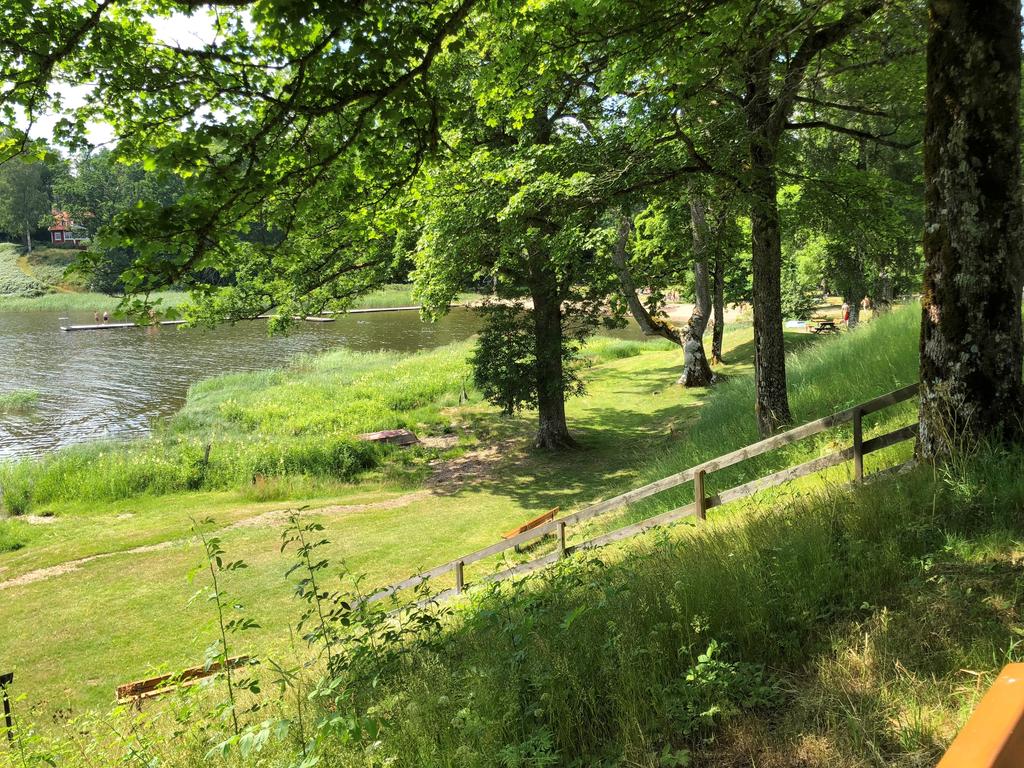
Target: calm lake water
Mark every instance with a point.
(114, 383)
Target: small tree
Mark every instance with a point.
(24, 202)
(505, 360)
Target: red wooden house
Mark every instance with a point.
(64, 230)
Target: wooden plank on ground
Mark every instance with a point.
(155, 686)
(402, 437)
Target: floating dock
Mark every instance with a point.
(119, 326)
(328, 316)
(116, 326)
(373, 309)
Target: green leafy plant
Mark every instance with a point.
(230, 618)
(505, 359)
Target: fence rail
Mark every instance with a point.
(701, 504)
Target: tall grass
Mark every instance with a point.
(619, 664)
(823, 377)
(18, 400)
(79, 302)
(399, 295)
(833, 631)
(299, 421)
(13, 535)
(13, 281)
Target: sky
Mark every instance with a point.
(179, 29)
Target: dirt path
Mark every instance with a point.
(266, 519)
(448, 476)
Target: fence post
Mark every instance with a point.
(459, 580)
(698, 495)
(561, 538)
(5, 680)
(858, 446)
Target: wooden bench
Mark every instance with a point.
(529, 525)
(135, 693)
(994, 735)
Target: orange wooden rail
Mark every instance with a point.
(994, 736)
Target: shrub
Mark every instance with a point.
(13, 535)
(18, 400)
(505, 361)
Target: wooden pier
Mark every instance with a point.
(120, 326)
(328, 316)
(117, 326)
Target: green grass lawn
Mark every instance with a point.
(632, 409)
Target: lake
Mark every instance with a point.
(95, 385)
(113, 383)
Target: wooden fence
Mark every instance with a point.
(701, 504)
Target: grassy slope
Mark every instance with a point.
(631, 411)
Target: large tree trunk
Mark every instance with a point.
(772, 404)
(696, 371)
(649, 326)
(855, 291)
(971, 344)
(855, 294)
(552, 430)
(718, 302)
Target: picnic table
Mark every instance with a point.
(823, 324)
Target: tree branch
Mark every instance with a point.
(878, 139)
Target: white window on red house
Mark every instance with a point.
(58, 236)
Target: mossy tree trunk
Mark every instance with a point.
(718, 302)
(772, 402)
(971, 345)
(696, 370)
(552, 429)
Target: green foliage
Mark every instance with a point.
(13, 535)
(504, 359)
(18, 400)
(101, 189)
(24, 203)
(230, 618)
(54, 268)
(13, 280)
(799, 296)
